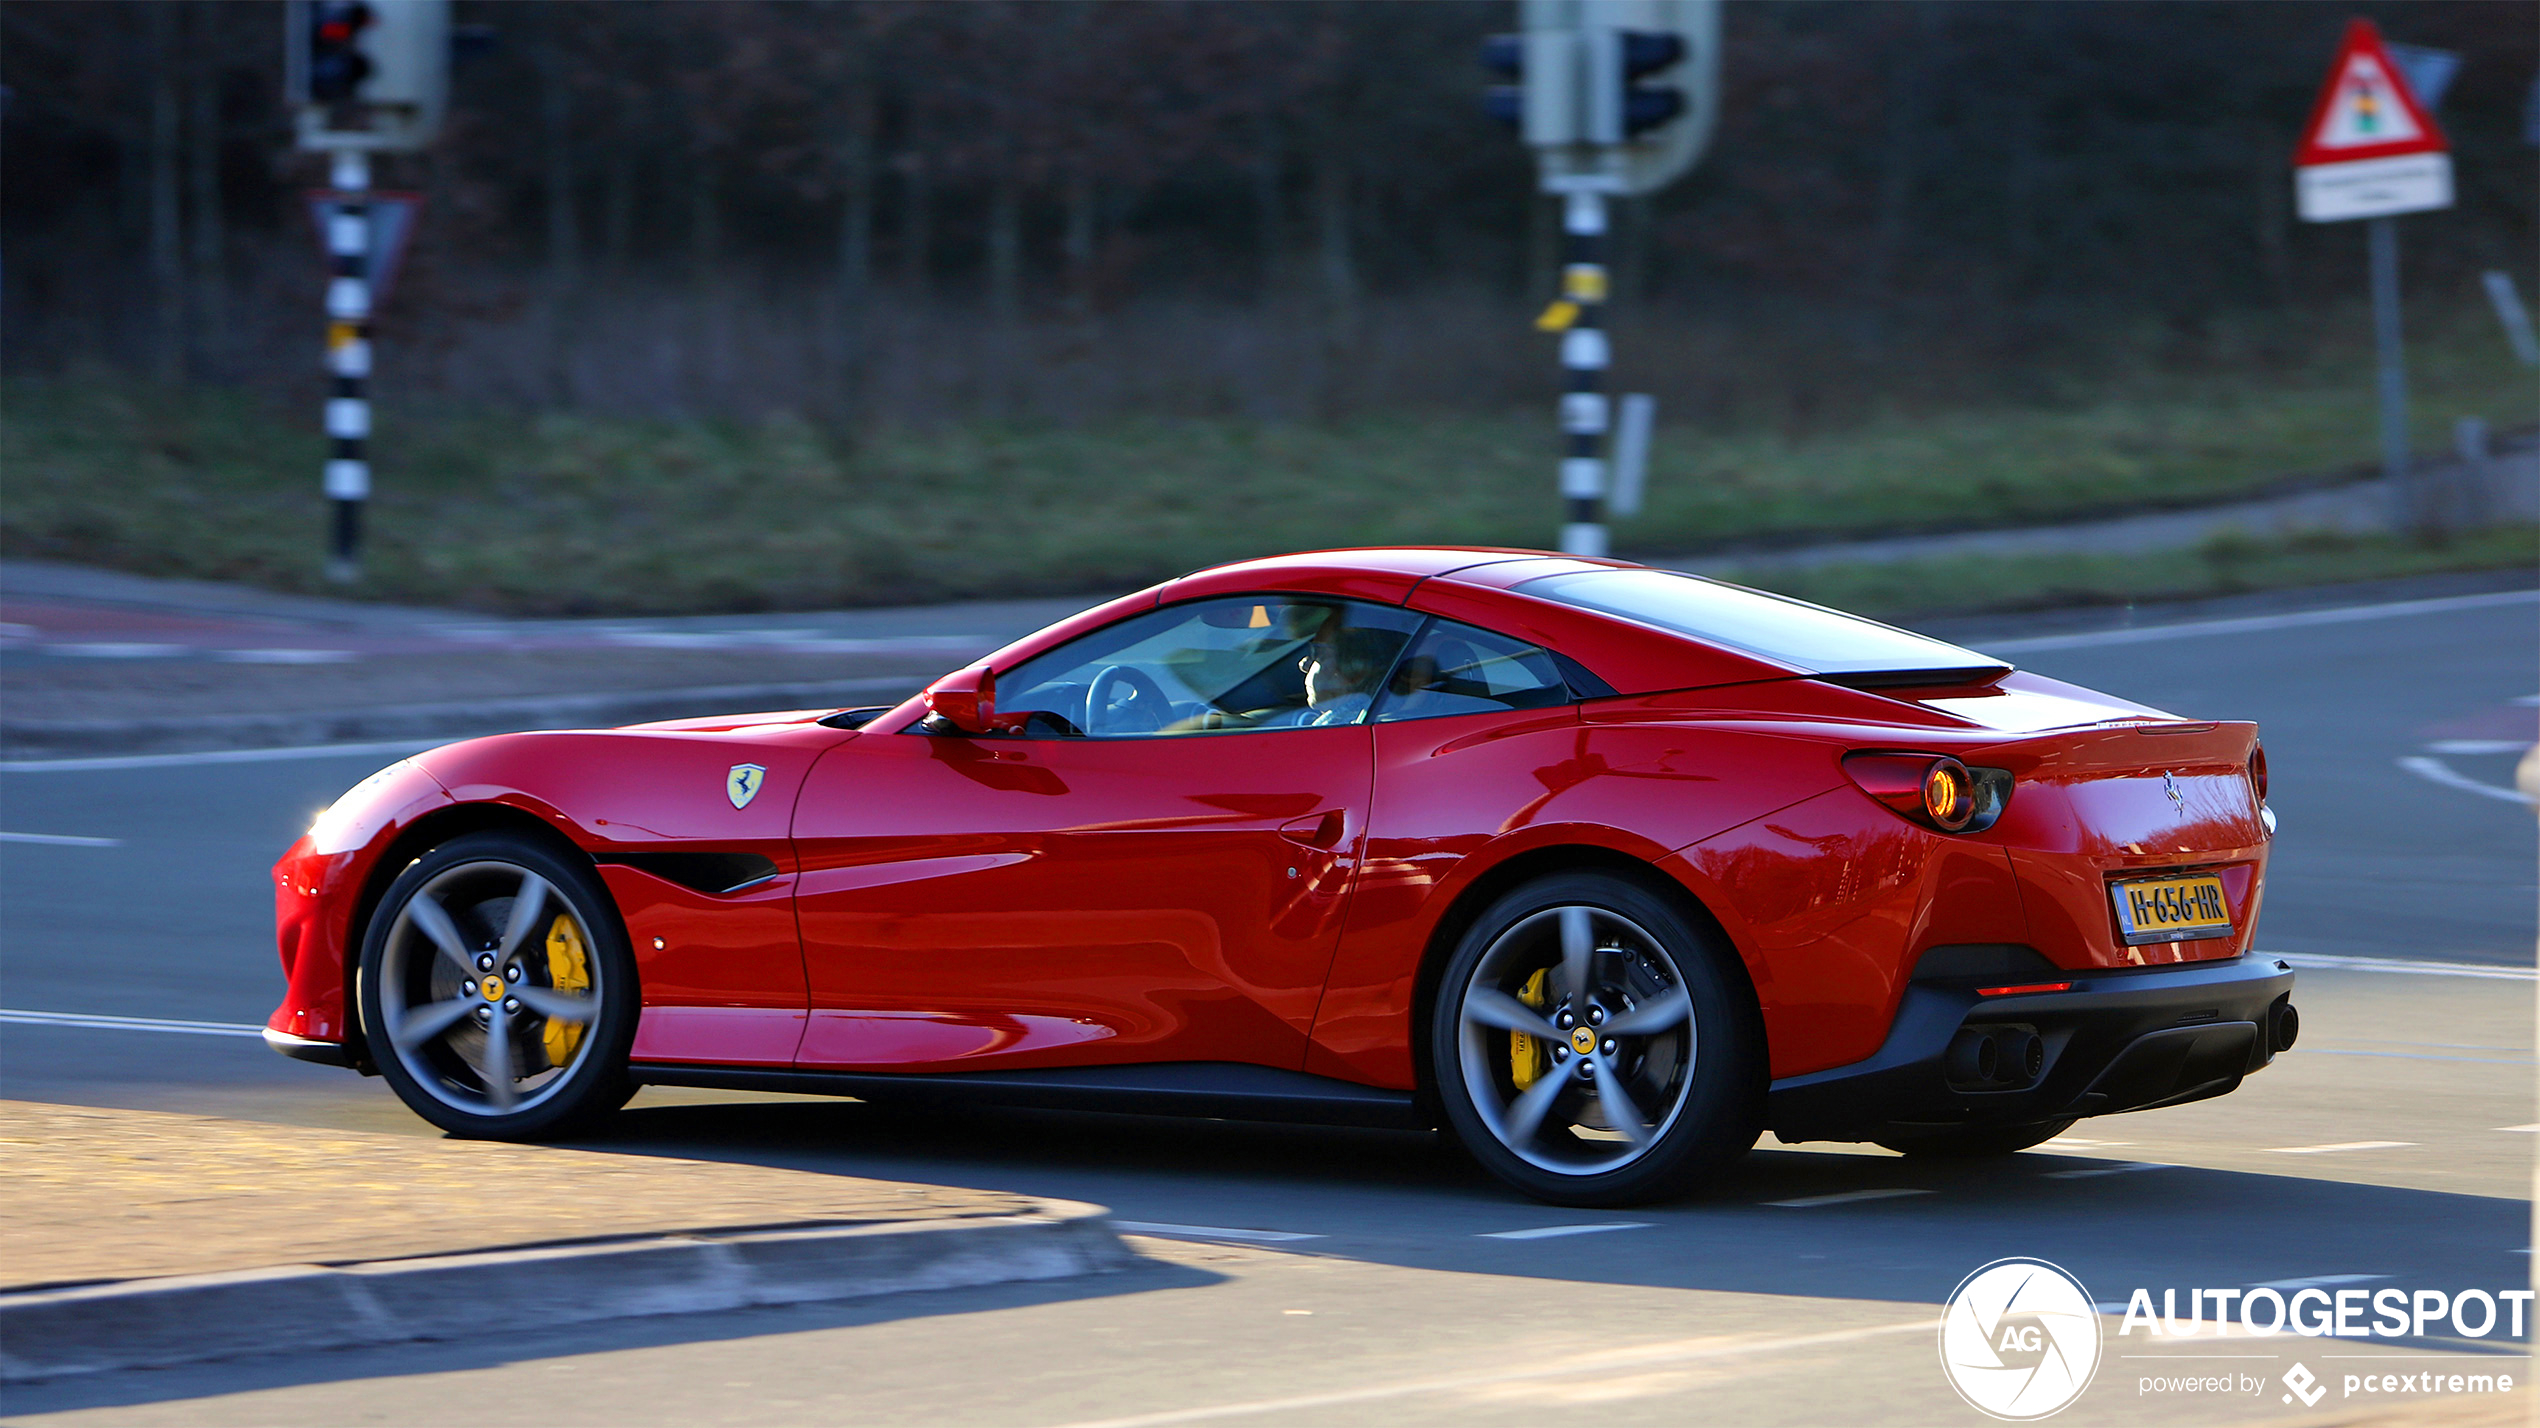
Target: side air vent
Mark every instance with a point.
(713, 873)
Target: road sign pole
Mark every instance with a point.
(348, 361)
(2384, 236)
(1585, 354)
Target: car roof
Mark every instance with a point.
(1385, 573)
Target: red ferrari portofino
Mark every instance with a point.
(1606, 869)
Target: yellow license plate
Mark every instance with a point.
(2172, 909)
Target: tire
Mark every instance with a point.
(450, 924)
(1971, 1142)
(1664, 1091)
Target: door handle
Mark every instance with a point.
(1315, 830)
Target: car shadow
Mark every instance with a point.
(1804, 1224)
(1814, 1221)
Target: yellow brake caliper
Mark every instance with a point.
(569, 970)
(1525, 1053)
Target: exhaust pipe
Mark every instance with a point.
(2284, 1025)
(1995, 1058)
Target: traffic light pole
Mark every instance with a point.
(348, 361)
(1585, 353)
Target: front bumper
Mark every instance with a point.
(2120, 1040)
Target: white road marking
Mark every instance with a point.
(129, 1023)
(2425, 1056)
(1608, 1363)
(2478, 746)
(66, 840)
(220, 756)
(2294, 619)
(287, 656)
(2079, 1143)
(2341, 1145)
(2407, 966)
(1810, 1202)
(2129, 1168)
(2436, 771)
(1554, 1232)
(1210, 1232)
(115, 649)
(2529, 1129)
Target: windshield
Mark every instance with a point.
(1812, 637)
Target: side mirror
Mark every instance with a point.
(965, 699)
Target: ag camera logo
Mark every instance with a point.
(2019, 1339)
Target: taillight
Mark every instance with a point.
(1933, 789)
(2258, 773)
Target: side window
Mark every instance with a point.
(1212, 666)
(1457, 669)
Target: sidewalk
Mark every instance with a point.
(137, 1237)
(2511, 493)
(98, 662)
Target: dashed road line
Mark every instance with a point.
(220, 756)
(2341, 1146)
(1607, 1362)
(2426, 1056)
(1554, 1232)
(2128, 1168)
(2404, 966)
(1211, 1232)
(2338, 615)
(1848, 1197)
(129, 1023)
(2434, 770)
(61, 840)
(2535, 1127)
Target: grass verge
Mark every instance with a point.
(566, 515)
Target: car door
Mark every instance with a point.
(1152, 869)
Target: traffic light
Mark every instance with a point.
(1613, 94)
(367, 74)
(337, 65)
(1505, 57)
(1642, 53)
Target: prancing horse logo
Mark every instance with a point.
(741, 785)
(2169, 785)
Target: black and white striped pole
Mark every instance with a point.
(362, 77)
(348, 361)
(1585, 354)
(1616, 98)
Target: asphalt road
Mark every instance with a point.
(1315, 1276)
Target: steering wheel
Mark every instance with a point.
(1151, 703)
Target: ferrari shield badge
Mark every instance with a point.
(742, 783)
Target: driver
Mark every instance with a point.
(1341, 668)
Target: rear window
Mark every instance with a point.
(1812, 637)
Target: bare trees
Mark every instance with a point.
(889, 184)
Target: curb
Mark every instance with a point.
(148, 1323)
(24, 737)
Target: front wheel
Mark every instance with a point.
(497, 991)
(1591, 1046)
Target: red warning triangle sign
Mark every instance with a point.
(2367, 110)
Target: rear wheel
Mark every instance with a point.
(1969, 1142)
(1592, 1046)
(497, 992)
